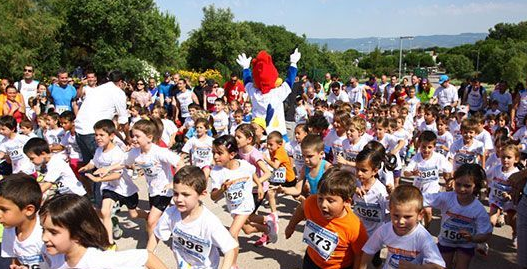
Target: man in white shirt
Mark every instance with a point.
(103, 102)
(337, 94)
(27, 86)
(503, 97)
(357, 92)
(446, 94)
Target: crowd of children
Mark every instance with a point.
(366, 175)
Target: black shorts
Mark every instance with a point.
(159, 202)
(257, 202)
(129, 201)
(308, 263)
(285, 184)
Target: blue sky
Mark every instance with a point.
(358, 18)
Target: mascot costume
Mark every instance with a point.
(266, 90)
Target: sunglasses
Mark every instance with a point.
(140, 84)
(28, 70)
(202, 81)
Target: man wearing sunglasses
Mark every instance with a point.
(27, 86)
(199, 90)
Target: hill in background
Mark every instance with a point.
(392, 43)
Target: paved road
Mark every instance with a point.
(288, 253)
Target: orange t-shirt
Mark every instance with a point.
(281, 155)
(352, 236)
(3, 100)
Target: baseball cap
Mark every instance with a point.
(167, 74)
(260, 122)
(443, 78)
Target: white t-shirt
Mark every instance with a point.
(445, 139)
(103, 102)
(446, 96)
(275, 97)
(414, 103)
(356, 95)
(54, 136)
(27, 252)
(455, 217)
(462, 153)
(486, 138)
(427, 127)
(184, 99)
(404, 135)
(27, 90)
(156, 165)
(239, 194)
(474, 99)
(221, 120)
(69, 142)
(199, 150)
(390, 142)
(499, 184)
(60, 173)
(334, 141)
(300, 115)
(96, 259)
(417, 247)
(455, 129)
(429, 171)
(124, 185)
(521, 135)
(371, 208)
(169, 128)
(352, 150)
(14, 148)
(195, 244)
(343, 96)
(504, 100)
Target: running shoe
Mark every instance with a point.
(263, 241)
(483, 249)
(272, 223)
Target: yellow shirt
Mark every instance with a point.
(3, 99)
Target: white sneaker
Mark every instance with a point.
(272, 223)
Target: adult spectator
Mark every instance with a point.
(182, 100)
(87, 85)
(325, 84)
(12, 107)
(104, 102)
(502, 95)
(416, 82)
(64, 94)
(475, 96)
(3, 95)
(234, 89)
(199, 90)
(426, 91)
(383, 84)
(374, 87)
(27, 86)
(154, 92)
(519, 108)
(210, 95)
(357, 93)
(390, 88)
(141, 95)
(165, 93)
(337, 94)
(290, 107)
(445, 94)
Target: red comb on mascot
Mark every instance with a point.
(266, 90)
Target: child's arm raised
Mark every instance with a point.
(297, 217)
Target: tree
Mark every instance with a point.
(27, 37)
(457, 65)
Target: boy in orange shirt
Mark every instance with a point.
(283, 173)
(334, 234)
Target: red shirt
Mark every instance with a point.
(233, 90)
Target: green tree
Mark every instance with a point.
(458, 65)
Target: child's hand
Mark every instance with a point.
(92, 177)
(83, 169)
(389, 188)
(261, 192)
(289, 230)
(341, 160)
(466, 235)
(506, 196)
(103, 171)
(15, 266)
(360, 191)
(415, 172)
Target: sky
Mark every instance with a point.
(357, 18)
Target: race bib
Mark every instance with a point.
(16, 154)
(395, 258)
(151, 170)
(462, 158)
(450, 230)
(278, 175)
(428, 175)
(60, 109)
(194, 246)
(320, 239)
(234, 194)
(497, 190)
(368, 211)
(202, 155)
(351, 156)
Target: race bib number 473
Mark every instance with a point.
(320, 239)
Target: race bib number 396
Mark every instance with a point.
(320, 239)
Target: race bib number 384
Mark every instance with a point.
(320, 239)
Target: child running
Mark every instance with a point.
(409, 244)
(193, 228)
(12, 146)
(464, 220)
(200, 147)
(334, 234)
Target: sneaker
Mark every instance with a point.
(272, 223)
(116, 208)
(483, 249)
(501, 221)
(264, 239)
(117, 232)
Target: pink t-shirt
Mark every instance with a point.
(253, 157)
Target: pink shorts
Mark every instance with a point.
(75, 165)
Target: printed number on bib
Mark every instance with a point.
(427, 175)
(234, 193)
(450, 231)
(194, 246)
(150, 170)
(320, 239)
(371, 212)
(15, 155)
(465, 158)
(278, 175)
